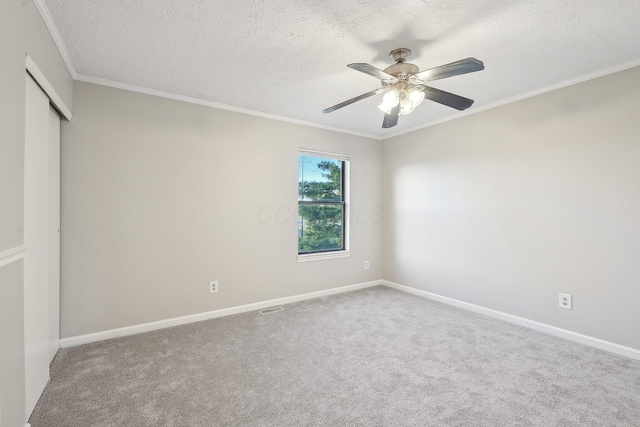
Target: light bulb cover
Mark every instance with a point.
(389, 101)
(408, 98)
(391, 98)
(416, 97)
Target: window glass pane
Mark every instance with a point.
(319, 179)
(319, 228)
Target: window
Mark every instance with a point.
(322, 205)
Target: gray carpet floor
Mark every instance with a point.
(374, 357)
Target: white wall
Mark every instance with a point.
(22, 32)
(508, 207)
(161, 196)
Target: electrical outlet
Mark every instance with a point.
(564, 301)
(366, 265)
(213, 286)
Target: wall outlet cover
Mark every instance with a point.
(564, 301)
(213, 286)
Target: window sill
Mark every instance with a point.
(322, 255)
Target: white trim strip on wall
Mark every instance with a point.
(538, 326)
(453, 116)
(12, 255)
(197, 101)
(167, 323)
(48, 88)
(55, 35)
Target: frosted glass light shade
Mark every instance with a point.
(411, 101)
(408, 99)
(389, 101)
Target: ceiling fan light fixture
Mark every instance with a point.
(390, 100)
(408, 97)
(411, 101)
(406, 86)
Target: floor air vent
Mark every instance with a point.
(271, 310)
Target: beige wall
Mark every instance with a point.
(22, 32)
(508, 207)
(161, 196)
(504, 209)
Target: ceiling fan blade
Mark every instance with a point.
(391, 119)
(372, 71)
(463, 66)
(356, 99)
(445, 98)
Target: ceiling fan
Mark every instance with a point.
(405, 87)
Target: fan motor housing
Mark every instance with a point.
(402, 70)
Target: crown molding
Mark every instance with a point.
(176, 97)
(55, 35)
(566, 83)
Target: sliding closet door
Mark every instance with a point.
(54, 232)
(41, 261)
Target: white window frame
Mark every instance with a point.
(346, 190)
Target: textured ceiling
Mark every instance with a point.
(289, 57)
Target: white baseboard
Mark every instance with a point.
(538, 326)
(167, 323)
